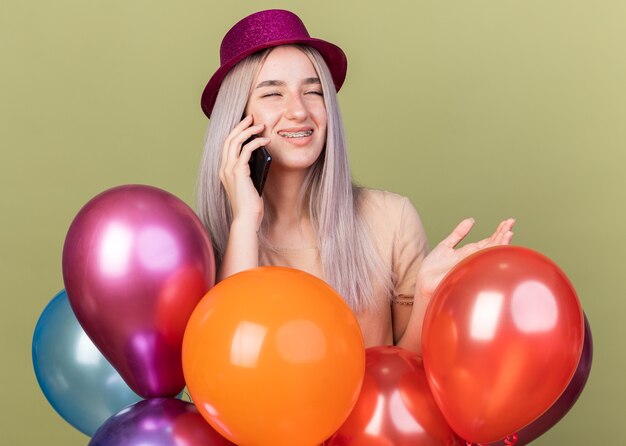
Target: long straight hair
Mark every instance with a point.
(351, 262)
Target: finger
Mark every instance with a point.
(507, 238)
(240, 127)
(507, 225)
(245, 123)
(471, 248)
(237, 141)
(459, 233)
(498, 236)
(493, 238)
(246, 134)
(511, 223)
(503, 230)
(246, 151)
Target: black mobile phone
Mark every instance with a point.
(260, 161)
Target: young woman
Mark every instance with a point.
(278, 84)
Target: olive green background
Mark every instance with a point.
(487, 109)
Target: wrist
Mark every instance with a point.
(245, 224)
(422, 292)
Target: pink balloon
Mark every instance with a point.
(136, 261)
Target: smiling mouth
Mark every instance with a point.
(302, 134)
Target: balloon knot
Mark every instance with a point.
(511, 440)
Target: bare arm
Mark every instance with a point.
(242, 248)
(411, 339)
(434, 268)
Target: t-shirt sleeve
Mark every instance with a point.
(409, 249)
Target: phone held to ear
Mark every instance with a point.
(260, 161)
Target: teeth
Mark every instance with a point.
(296, 134)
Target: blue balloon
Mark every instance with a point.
(81, 385)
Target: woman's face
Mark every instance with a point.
(287, 97)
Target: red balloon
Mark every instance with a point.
(565, 402)
(502, 338)
(395, 406)
(136, 261)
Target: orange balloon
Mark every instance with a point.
(273, 356)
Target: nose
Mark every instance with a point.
(296, 108)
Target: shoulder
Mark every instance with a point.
(386, 213)
(384, 208)
(392, 217)
(373, 201)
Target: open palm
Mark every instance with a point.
(444, 256)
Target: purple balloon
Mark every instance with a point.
(136, 261)
(158, 421)
(565, 402)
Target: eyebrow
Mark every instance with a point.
(274, 83)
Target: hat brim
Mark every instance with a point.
(333, 55)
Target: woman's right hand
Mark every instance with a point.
(245, 202)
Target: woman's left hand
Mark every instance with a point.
(444, 256)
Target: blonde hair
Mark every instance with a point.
(350, 259)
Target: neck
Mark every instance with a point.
(281, 194)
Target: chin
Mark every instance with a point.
(291, 165)
(291, 162)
